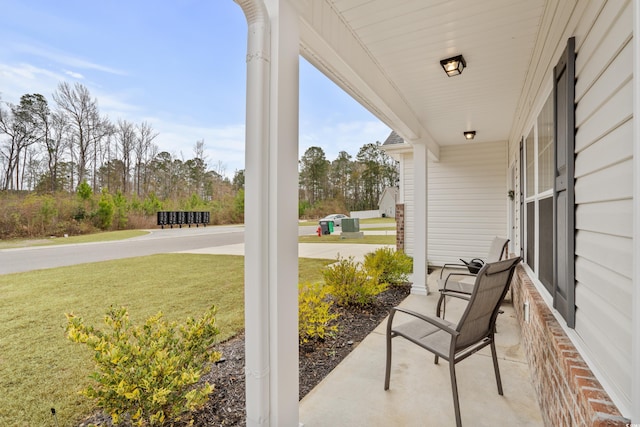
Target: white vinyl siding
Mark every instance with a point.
(603, 175)
(467, 204)
(603, 195)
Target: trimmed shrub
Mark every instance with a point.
(350, 284)
(148, 373)
(314, 316)
(393, 267)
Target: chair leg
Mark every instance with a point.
(442, 306)
(454, 388)
(387, 370)
(495, 366)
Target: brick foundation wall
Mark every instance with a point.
(568, 393)
(400, 227)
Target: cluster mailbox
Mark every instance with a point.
(181, 218)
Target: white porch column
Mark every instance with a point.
(420, 158)
(271, 214)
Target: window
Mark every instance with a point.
(539, 196)
(548, 202)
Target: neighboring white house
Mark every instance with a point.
(388, 201)
(555, 166)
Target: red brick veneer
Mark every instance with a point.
(568, 393)
(400, 227)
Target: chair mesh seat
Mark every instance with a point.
(427, 336)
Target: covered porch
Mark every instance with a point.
(420, 391)
(388, 55)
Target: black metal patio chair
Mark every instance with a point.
(455, 342)
(457, 281)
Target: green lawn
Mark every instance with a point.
(389, 221)
(96, 237)
(385, 224)
(377, 221)
(335, 238)
(379, 228)
(41, 369)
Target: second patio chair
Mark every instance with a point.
(457, 281)
(455, 342)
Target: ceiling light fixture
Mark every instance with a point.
(470, 134)
(453, 66)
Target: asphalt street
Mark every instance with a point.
(168, 240)
(157, 241)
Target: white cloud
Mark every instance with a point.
(20, 79)
(75, 75)
(64, 59)
(223, 144)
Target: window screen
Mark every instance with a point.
(545, 147)
(545, 242)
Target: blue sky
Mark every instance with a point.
(179, 65)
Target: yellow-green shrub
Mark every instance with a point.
(392, 266)
(350, 284)
(314, 316)
(150, 372)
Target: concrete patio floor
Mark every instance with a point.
(420, 391)
(352, 395)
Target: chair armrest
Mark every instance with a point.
(435, 321)
(461, 266)
(456, 274)
(455, 294)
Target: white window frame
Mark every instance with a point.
(535, 198)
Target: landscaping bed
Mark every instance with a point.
(317, 359)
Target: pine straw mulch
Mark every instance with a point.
(226, 406)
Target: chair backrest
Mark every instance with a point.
(497, 249)
(478, 319)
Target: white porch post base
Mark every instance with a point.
(419, 289)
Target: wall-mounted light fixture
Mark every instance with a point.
(470, 134)
(453, 66)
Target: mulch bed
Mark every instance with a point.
(226, 406)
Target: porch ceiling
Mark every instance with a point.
(386, 53)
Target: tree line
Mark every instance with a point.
(67, 145)
(52, 148)
(349, 184)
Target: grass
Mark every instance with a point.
(40, 369)
(335, 238)
(127, 234)
(306, 223)
(96, 237)
(379, 228)
(378, 221)
(362, 221)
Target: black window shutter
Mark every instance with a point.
(522, 167)
(563, 189)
